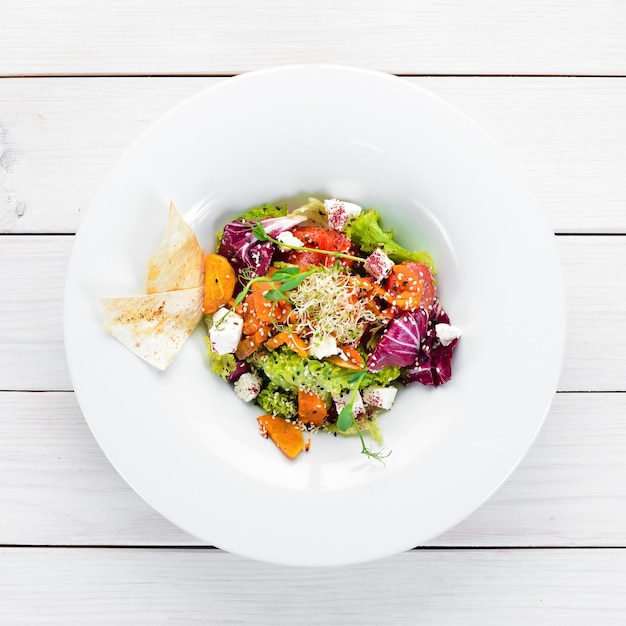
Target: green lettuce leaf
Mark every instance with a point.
(369, 426)
(277, 401)
(288, 371)
(262, 211)
(221, 364)
(366, 231)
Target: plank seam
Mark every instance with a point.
(442, 548)
(231, 75)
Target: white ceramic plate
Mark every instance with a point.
(181, 438)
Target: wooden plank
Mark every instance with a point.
(452, 587)
(426, 37)
(59, 138)
(63, 135)
(596, 294)
(567, 135)
(32, 276)
(57, 487)
(569, 490)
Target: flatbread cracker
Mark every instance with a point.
(178, 262)
(154, 326)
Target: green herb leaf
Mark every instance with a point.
(274, 295)
(292, 283)
(258, 230)
(344, 421)
(285, 273)
(356, 377)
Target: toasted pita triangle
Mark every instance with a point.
(178, 262)
(154, 326)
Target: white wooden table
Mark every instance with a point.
(80, 81)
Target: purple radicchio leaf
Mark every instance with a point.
(241, 367)
(245, 251)
(400, 342)
(433, 366)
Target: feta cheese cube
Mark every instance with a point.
(248, 386)
(446, 333)
(381, 397)
(378, 265)
(358, 408)
(340, 212)
(321, 347)
(226, 331)
(289, 238)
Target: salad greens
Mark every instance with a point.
(263, 211)
(276, 400)
(365, 230)
(285, 369)
(320, 317)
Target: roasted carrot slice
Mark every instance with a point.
(291, 340)
(219, 282)
(250, 344)
(367, 284)
(404, 288)
(353, 362)
(251, 321)
(262, 307)
(311, 408)
(286, 435)
(266, 310)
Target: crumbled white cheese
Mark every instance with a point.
(248, 386)
(381, 397)
(358, 408)
(340, 212)
(446, 333)
(378, 265)
(321, 347)
(289, 238)
(226, 331)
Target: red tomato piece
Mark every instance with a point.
(322, 239)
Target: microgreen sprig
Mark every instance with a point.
(260, 233)
(288, 278)
(346, 417)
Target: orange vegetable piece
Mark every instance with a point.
(286, 435)
(219, 282)
(266, 310)
(404, 288)
(311, 408)
(291, 340)
(354, 362)
(252, 343)
(366, 284)
(251, 321)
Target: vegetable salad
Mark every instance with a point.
(319, 316)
